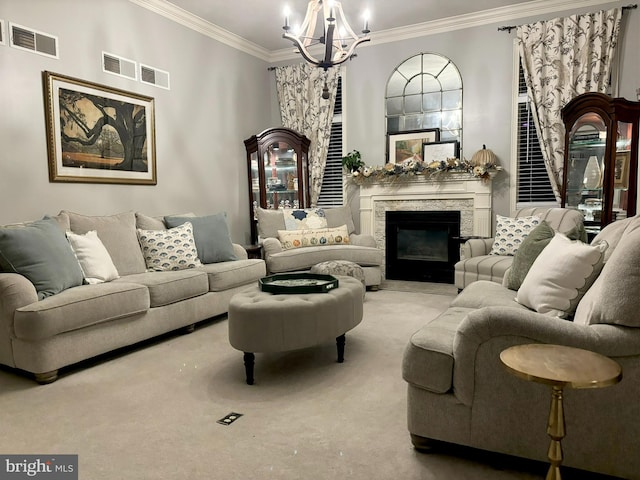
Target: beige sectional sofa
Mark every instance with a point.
(41, 332)
(459, 392)
(361, 249)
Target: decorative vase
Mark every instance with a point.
(592, 174)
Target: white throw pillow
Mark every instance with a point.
(510, 232)
(561, 275)
(171, 249)
(314, 238)
(95, 261)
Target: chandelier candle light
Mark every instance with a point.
(335, 36)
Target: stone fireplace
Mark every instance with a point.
(457, 192)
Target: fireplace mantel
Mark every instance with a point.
(425, 193)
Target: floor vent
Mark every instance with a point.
(26, 38)
(229, 419)
(119, 66)
(154, 76)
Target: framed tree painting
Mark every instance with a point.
(98, 134)
(621, 170)
(406, 145)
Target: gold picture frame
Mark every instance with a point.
(98, 134)
(621, 170)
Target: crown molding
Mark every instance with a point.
(189, 20)
(459, 22)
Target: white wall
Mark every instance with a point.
(217, 99)
(220, 96)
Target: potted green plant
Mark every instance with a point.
(353, 161)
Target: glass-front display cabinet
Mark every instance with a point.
(277, 161)
(600, 158)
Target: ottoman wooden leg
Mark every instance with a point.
(340, 343)
(249, 361)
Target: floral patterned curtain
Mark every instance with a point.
(303, 109)
(563, 58)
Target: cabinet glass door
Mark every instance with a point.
(255, 183)
(621, 171)
(585, 167)
(281, 176)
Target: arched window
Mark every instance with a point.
(423, 92)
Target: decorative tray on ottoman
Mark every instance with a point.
(298, 283)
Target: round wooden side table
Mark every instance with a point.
(560, 367)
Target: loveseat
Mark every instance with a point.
(459, 392)
(486, 259)
(291, 244)
(81, 297)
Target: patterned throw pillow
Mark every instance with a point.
(172, 249)
(510, 232)
(307, 219)
(314, 238)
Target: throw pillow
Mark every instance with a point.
(40, 252)
(269, 222)
(337, 216)
(529, 250)
(211, 235)
(314, 238)
(560, 276)
(118, 234)
(306, 219)
(614, 298)
(510, 232)
(94, 259)
(172, 249)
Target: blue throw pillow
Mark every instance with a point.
(40, 252)
(211, 234)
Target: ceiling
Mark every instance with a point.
(260, 21)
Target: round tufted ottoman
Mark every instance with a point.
(339, 267)
(261, 322)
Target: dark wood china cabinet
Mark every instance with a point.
(277, 163)
(601, 158)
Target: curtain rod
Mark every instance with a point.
(511, 27)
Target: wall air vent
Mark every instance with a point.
(119, 66)
(154, 76)
(26, 38)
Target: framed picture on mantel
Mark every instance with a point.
(406, 145)
(98, 134)
(439, 151)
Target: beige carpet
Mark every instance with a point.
(151, 412)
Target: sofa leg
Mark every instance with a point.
(373, 288)
(46, 377)
(423, 444)
(190, 328)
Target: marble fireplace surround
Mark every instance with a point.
(462, 192)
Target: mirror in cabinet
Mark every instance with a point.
(278, 171)
(601, 157)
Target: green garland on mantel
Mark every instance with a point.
(412, 168)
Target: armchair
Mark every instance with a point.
(360, 249)
(478, 264)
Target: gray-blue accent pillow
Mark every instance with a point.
(40, 252)
(211, 234)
